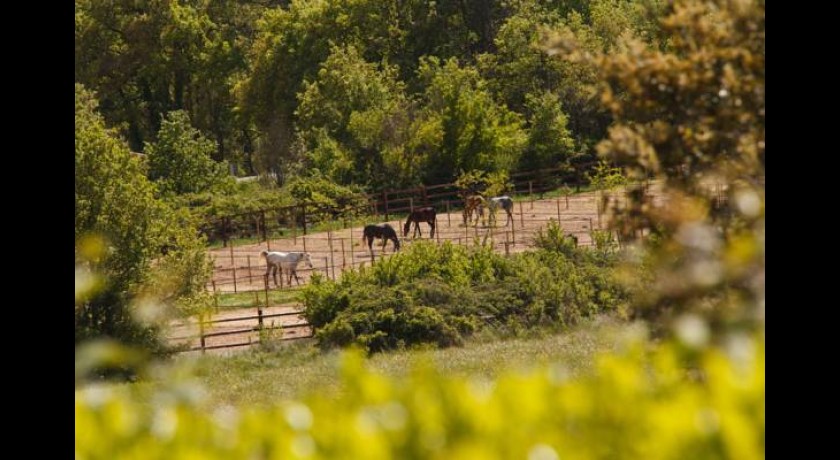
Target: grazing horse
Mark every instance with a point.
(474, 204)
(382, 231)
(427, 215)
(506, 203)
(284, 261)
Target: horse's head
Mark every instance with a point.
(264, 253)
(307, 259)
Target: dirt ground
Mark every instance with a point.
(187, 332)
(241, 268)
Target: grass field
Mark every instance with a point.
(230, 300)
(292, 370)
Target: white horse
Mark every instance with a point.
(288, 261)
(506, 203)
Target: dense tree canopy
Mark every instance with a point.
(364, 91)
(179, 161)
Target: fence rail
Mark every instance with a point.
(299, 218)
(260, 327)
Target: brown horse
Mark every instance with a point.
(474, 204)
(427, 215)
(382, 231)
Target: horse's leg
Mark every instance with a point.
(432, 234)
(274, 273)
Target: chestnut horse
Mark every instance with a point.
(427, 215)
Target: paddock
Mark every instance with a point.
(240, 268)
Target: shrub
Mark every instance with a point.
(555, 240)
(440, 294)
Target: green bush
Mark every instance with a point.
(555, 240)
(441, 294)
(606, 176)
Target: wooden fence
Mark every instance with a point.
(260, 328)
(297, 219)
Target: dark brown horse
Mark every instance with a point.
(382, 231)
(427, 215)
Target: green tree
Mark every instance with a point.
(550, 143)
(179, 161)
(290, 47)
(148, 58)
(146, 249)
(352, 109)
(477, 132)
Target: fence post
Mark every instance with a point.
(201, 334)
(513, 227)
(265, 278)
(448, 216)
(343, 257)
(521, 217)
(327, 267)
(294, 230)
(531, 192)
(215, 295)
(249, 269)
(233, 265)
(567, 202)
(304, 218)
(385, 202)
(225, 231)
(259, 317)
(264, 226)
(425, 196)
(330, 244)
(304, 243)
(558, 209)
(266, 289)
(352, 251)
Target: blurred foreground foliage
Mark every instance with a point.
(638, 404)
(691, 114)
